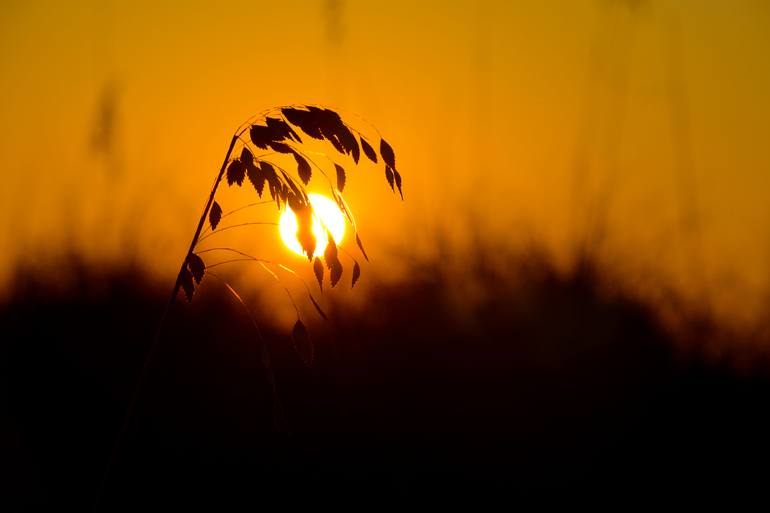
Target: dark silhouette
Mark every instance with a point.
(546, 382)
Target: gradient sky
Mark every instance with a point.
(640, 127)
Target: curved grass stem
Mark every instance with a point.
(207, 228)
(220, 230)
(202, 219)
(245, 257)
(123, 431)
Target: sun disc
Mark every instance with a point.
(327, 215)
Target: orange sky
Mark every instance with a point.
(545, 121)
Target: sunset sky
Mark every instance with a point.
(639, 126)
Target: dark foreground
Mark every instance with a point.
(544, 385)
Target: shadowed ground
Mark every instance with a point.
(547, 383)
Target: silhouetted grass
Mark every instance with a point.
(548, 381)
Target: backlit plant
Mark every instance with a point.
(256, 158)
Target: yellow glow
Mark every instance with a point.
(326, 214)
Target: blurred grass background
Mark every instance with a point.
(631, 129)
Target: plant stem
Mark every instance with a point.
(201, 222)
(156, 339)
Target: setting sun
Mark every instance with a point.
(327, 216)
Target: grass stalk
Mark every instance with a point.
(156, 338)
